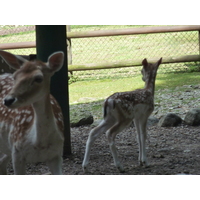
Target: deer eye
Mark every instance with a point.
(38, 79)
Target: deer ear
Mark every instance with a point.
(12, 60)
(55, 61)
(159, 61)
(144, 62)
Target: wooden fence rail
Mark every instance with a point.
(18, 45)
(133, 63)
(133, 31)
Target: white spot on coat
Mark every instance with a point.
(29, 118)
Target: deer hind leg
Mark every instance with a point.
(111, 134)
(4, 159)
(55, 165)
(142, 133)
(93, 135)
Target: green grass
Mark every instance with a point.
(100, 27)
(89, 95)
(89, 91)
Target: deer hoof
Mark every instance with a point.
(144, 163)
(121, 169)
(85, 169)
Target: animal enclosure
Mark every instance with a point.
(97, 47)
(167, 156)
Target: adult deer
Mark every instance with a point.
(31, 121)
(119, 111)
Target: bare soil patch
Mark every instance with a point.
(174, 150)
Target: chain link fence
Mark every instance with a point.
(115, 48)
(18, 33)
(130, 47)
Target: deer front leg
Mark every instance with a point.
(4, 159)
(55, 165)
(93, 135)
(19, 164)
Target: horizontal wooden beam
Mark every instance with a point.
(132, 63)
(133, 31)
(18, 45)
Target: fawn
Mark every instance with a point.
(119, 111)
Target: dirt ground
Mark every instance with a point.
(170, 151)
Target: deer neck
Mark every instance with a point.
(150, 85)
(44, 117)
(43, 108)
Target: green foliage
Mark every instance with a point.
(193, 67)
(72, 79)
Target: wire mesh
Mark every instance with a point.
(130, 47)
(115, 48)
(127, 47)
(18, 33)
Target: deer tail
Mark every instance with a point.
(108, 103)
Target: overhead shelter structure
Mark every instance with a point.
(49, 39)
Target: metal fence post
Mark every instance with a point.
(51, 38)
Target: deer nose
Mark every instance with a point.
(9, 101)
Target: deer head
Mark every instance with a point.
(149, 69)
(32, 78)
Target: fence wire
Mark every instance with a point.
(130, 47)
(18, 33)
(115, 48)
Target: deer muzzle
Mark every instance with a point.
(8, 101)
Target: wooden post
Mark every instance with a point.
(69, 47)
(133, 31)
(51, 38)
